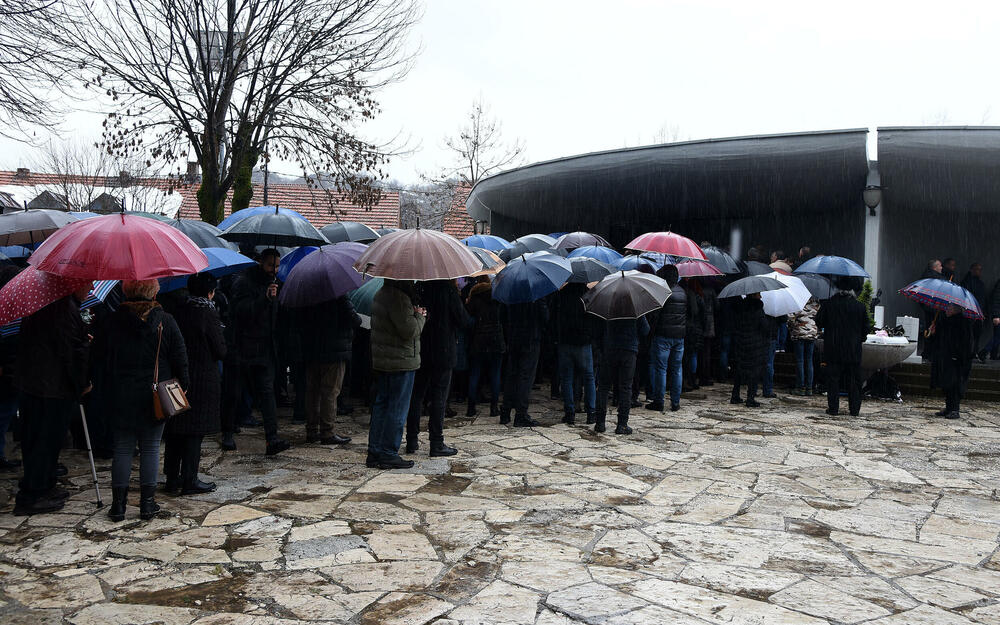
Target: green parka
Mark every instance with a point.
(396, 330)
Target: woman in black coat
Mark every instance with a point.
(125, 350)
(952, 358)
(751, 339)
(199, 323)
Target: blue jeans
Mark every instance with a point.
(693, 362)
(782, 336)
(573, 358)
(666, 355)
(769, 368)
(804, 364)
(148, 434)
(491, 363)
(392, 404)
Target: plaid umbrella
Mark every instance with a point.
(939, 294)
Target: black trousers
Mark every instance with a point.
(44, 422)
(751, 379)
(181, 456)
(232, 393)
(618, 367)
(522, 362)
(434, 382)
(850, 373)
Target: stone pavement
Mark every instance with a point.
(713, 514)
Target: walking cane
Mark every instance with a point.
(90, 453)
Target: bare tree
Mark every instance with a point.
(479, 149)
(233, 79)
(668, 133)
(23, 55)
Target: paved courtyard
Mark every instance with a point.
(712, 514)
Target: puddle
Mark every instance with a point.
(807, 527)
(291, 496)
(387, 498)
(445, 485)
(234, 542)
(224, 595)
(464, 580)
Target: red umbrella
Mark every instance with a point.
(667, 243)
(418, 255)
(32, 290)
(697, 269)
(119, 247)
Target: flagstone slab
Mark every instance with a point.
(499, 603)
(129, 614)
(819, 600)
(59, 550)
(71, 592)
(231, 515)
(593, 601)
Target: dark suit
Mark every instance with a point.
(844, 321)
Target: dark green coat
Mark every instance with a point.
(396, 331)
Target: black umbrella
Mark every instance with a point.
(820, 286)
(274, 229)
(626, 295)
(587, 270)
(203, 234)
(340, 231)
(573, 240)
(721, 259)
(28, 226)
(757, 268)
(753, 284)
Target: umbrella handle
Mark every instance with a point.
(927, 332)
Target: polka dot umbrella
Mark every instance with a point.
(32, 290)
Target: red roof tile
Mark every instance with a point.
(456, 221)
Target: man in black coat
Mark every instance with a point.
(53, 349)
(666, 350)
(574, 333)
(523, 325)
(255, 312)
(973, 283)
(438, 353)
(621, 346)
(844, 321)
(750, 344)
(951, 361)
(328, 340)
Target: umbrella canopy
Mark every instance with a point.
(342, 231)
(418, 254)
(32, 225)
(721, 259)
(574, 240)
(626, 295)
(203, 234)
(324, 275)
(820, 286)
(119, 247)
(98, 293)
(939, 294)
(667, 243)
(147, 215)
(531, 277)
(14, 251)
(527, 243)
(32, 290)
(598, 252)
(362, 296)
(83, 214)
(488, 242)
(384, 231)
(273, 229)
(491, 262)
(697, 269)
(257, 210)
(785, 301)
(752, 284)
(632, 262)
(222, 261)
(587, 270)
(289, 260)
(757, 268)
(833, 266)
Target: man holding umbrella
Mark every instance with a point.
(844, 321)
(255, 304)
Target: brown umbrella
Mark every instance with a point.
(418, 255)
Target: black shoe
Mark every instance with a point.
(61, 470)
(172, 485)
(57, 492)
(623, 429)
(494, 410)
(525, 422)
(197, 487)
(599, 426)
(591, 419)
(832, 413)
(450, 412)
(569, 418)
(655, 406)
(313, 438)
(9, 465)
(770, 396)
(982, 357)
(942, 413)
(440, 449)
(411, 447)
(371, 461)
(147, 503)
(251, 423)
(276, 446)
(226, 443)
(735, 399)
(395, 463)
(505, 419)
(752, 403)
(954, 414)
(471, 411)
(675, 407)
(42, 505)
(636, 403)
(344, 412)
(119, 497)
(333, 439)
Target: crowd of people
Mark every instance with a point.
(233, 347)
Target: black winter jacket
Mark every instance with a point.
(574, 325)
(994, 304)
(624, 334)
(671, 320)
(751, 337)
(524, 324)
(328, 331)
(845, 327)
(201, 328)
(697, 319)
(951, 355)
(977, 287)
(255, 317)
(487, 332)
(52, 352)
(446, 316)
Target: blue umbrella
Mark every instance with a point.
(292, 258)
(221, 262)
(324, 275)
(597, 252)
(488, 242)
(362, 296)
(556, 235)
(15, 251)
(632, 262)
(240, 215)
(531, 277)
(833, 266)
(939, 294)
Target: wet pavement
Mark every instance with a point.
(713, 514)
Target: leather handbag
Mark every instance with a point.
(169, 399)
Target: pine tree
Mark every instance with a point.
(865, 297)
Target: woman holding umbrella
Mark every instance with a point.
(951, 361)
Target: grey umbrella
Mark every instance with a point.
(626, 295)
(25, 227)
(340, 231)
(820, 286)
(586, 270)
(721, 259)
(274, 229)
(756, 268)
(203, 234)
(748, 286)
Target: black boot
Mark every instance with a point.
(172, 485)
(439, 449)
(494, 409)
(227, 443)
(569, 418)
(524, 421)
(147, 502)
(505, 416)
(471, 410)
(194, 486)
(591, 419)
(599, 424)
(622, 427)
(943, 412)
(117, 510)
(412, 446)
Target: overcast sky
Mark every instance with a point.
(568, 77)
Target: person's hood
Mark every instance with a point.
(140, 309)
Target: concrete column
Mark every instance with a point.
(873, 231)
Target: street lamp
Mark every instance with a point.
(872, 196)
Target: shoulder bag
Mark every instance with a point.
(169, 399)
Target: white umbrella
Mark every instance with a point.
(788, 300)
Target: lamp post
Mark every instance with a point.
(872, 196)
